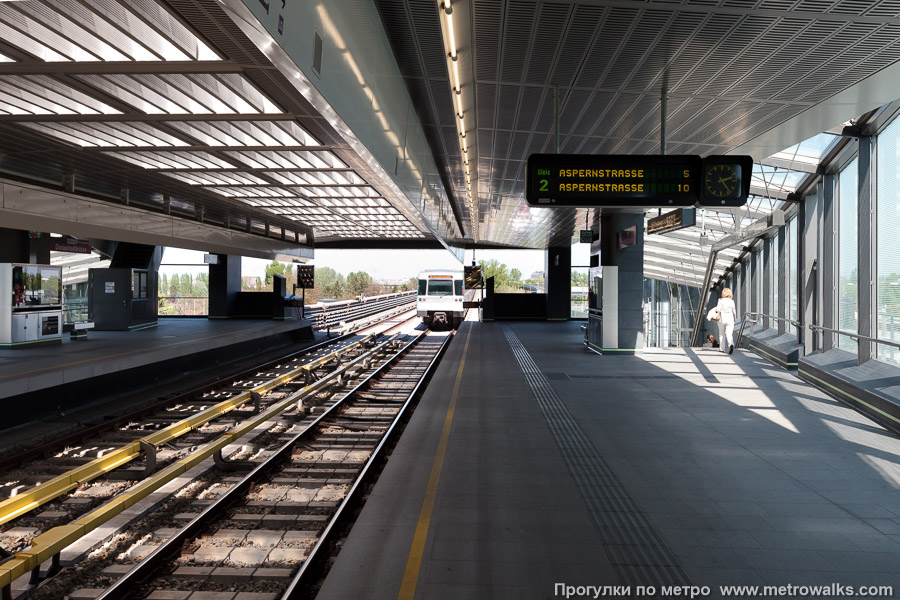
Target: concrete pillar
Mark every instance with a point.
(224, 284)
(629, 263)
(558, 282)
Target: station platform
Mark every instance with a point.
(532, 463)
(107, 359)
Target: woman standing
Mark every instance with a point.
(727, 317)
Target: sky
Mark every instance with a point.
(388, 264)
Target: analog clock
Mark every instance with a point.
(722, 180)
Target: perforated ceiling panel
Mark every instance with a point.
(732, 69)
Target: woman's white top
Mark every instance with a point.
(727, 311)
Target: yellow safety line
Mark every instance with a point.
(414, 562)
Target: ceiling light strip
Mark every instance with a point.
(446, 11)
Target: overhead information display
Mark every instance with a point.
(599, 180)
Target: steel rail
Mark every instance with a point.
(317, 554)
(81, 434)
(48, 545)
(35, 497)
(126, 584)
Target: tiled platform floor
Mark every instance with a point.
(732, 470)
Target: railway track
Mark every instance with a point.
(319, 475)
(45, 494)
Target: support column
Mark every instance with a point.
(767, 281)
(866, 249)
(827, 264)
(784, 280)
(224, 284)
(808, 282)
(558, 282)
(754, 273)
(629, 291)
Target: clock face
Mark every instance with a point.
(722, 181)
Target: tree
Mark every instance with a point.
(358, 283)
(515, 275)
(497, 270)
(274, 268)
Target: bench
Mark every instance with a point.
(80, 330)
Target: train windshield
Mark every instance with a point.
(458, 284)
(440, 287)
(423, 286)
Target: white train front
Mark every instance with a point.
(440, 298)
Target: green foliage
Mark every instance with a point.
(497, 270)
(515, 275)
(579, 278)
(358, 283)
(274, 268)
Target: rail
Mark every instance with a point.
(48, 545)
(754, 319)
(334, 314)
(62, 484)
(856, 337)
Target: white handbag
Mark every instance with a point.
(713, 314)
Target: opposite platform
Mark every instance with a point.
(564, 467)
(133, 359)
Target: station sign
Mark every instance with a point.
(672, 221)
(603, 180)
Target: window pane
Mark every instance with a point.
(888, 221)
(440, 288)
(847, 256)
(579, 296)
(458, 284)
(423, 286)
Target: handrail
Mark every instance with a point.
(855, 336)
(754, 319)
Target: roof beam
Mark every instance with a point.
(202, 148)
(95, 118)
(125, 67)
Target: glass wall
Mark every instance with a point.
(847, 267)
(581, 260)
(670, 310)
(183, 283)
(888, 250)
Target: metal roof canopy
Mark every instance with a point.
(173, 103)
(198, 115)
(757, 78)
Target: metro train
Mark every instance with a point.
(440, 298)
